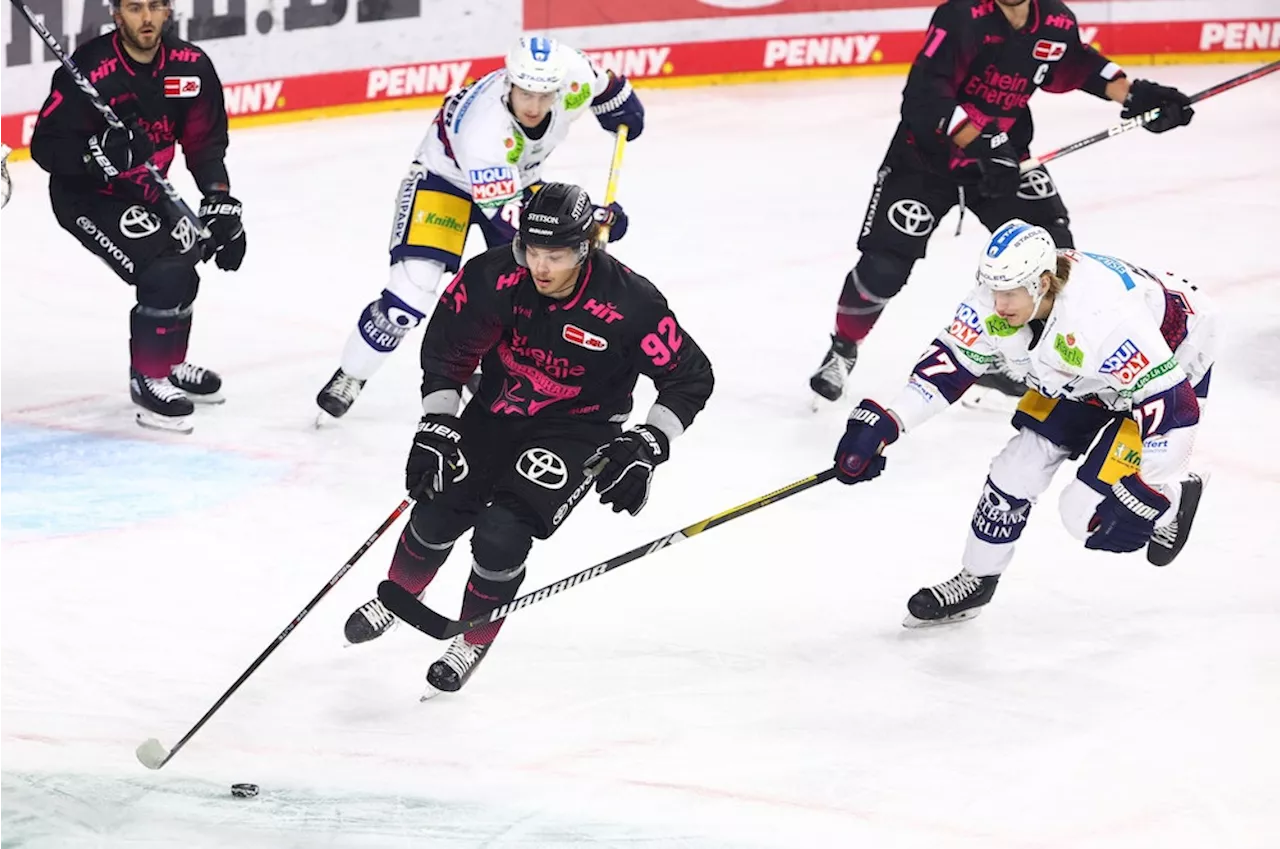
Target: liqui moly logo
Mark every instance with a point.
(492, 186)
(1126, 362)
(181, 86)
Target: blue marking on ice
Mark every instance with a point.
(60, 482)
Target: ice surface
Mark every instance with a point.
(751, 688)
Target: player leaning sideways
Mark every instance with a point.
(1118, 362)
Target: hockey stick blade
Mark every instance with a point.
(1146, 117)
(152, 753)
(407, 607)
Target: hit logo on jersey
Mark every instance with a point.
(1126, 362)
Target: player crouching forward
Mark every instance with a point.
(563, 331)
(482, 157)
(1116, 358)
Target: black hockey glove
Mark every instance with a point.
(1127, 516)
(1144, 95)
(998, 162)
(221, 214)
(870, 428)
(115, 151)
(614, 217)
(628, 462)
(434, 459)
(618, 105)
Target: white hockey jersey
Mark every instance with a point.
(1117, 336)
(478, 146)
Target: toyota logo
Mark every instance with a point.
(543, 467)
(1036, 185)
(911, 217)
(137, 222)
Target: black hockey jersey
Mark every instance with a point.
(177, 98)
(580, 356)
(974, 68)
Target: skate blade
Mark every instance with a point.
(323, 419)
(430, 693)
(172, 424)
(213, 398)
(989, 401)
(913, 622)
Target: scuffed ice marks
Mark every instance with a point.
(61, 811)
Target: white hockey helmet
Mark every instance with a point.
(1017, 255)
(537, 64)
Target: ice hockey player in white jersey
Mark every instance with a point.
(482, 156)
(7, 186)
(1118, 362)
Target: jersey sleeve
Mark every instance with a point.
(463, 328)
(668, 355)
(1083, 68)
(952, 363)
(586, 85)
(1136, 362)
(65, 122)
(929, 106)
(204, 138)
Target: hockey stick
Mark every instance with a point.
(405, 605)
(192, 221)
(5, 150)
(1147, 117)
(611, 188)
(153, 754)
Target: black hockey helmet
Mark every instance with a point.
(559, 215)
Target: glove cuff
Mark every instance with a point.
(615, 101)
(1134, 493)
(656, 444)
(882, 421)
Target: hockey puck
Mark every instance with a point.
(244, 791)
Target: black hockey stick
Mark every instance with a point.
(404, 604)
(154, 755)
(1147, 117)
(194, 228)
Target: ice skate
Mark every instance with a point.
(954, 600)
(337, 396)
(828, 381)
(368, 622)
(450, 672)
(164, 405)
(201, 385)
(1167, 542)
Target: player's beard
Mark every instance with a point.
(138, 39)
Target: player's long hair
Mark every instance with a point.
(1061, 274)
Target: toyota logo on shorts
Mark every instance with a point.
(1036, 185)
(543, 467)
(911, 217)
(136, 222)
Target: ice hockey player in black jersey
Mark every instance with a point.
(562, 332)
(167, 93)
(965, 127)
